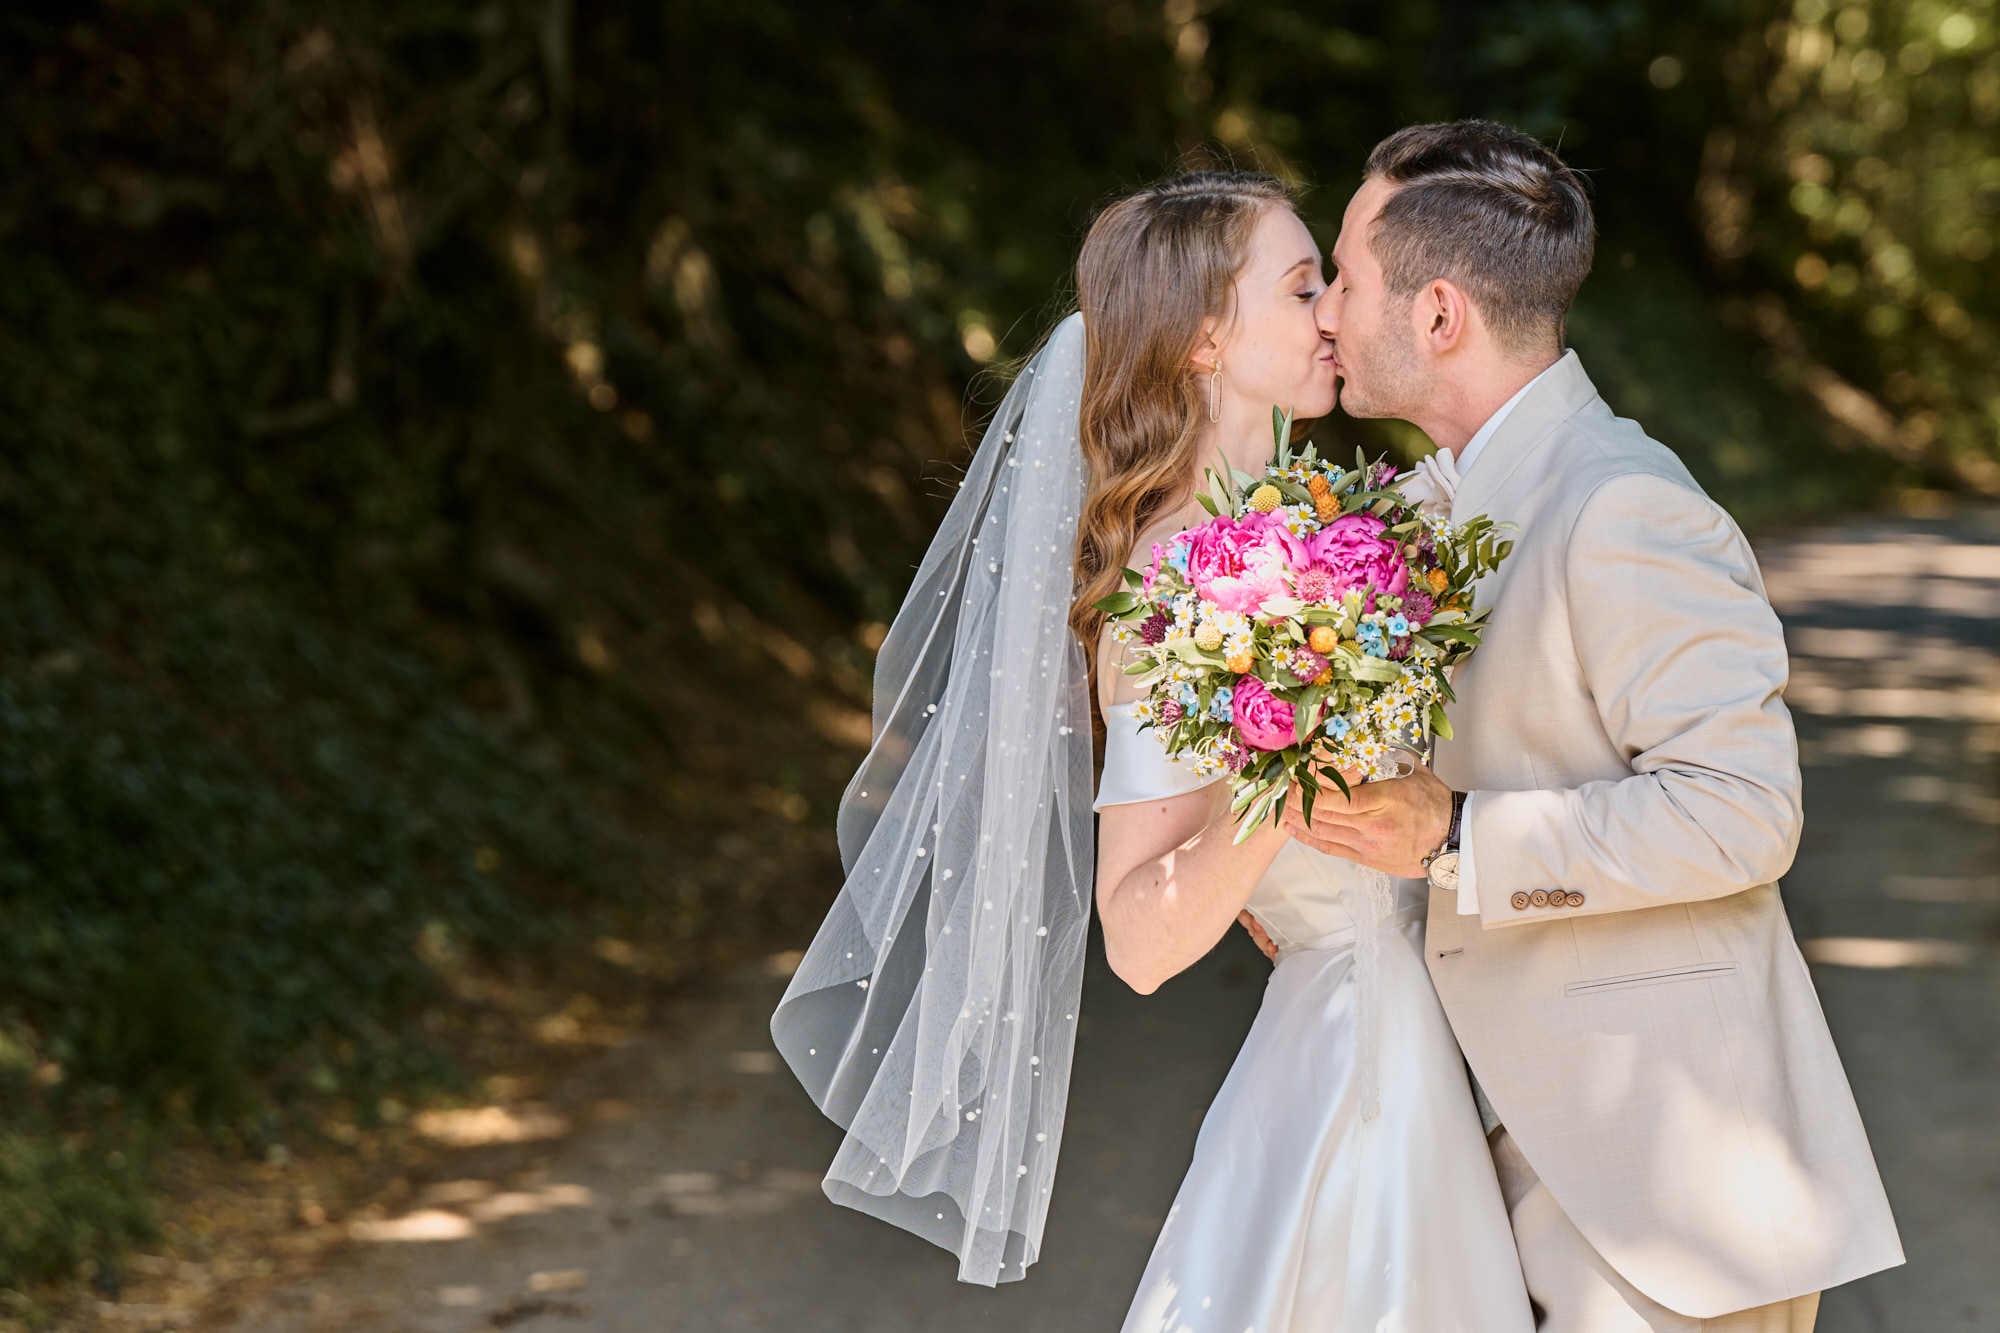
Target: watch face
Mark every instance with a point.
(1444, 870)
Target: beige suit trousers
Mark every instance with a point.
(1576, 1291)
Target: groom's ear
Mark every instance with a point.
(1444, 316)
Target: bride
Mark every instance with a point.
(1340, 1180)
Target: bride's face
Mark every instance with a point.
(1272, 352)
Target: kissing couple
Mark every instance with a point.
(1572, 1074)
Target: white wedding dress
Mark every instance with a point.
(1298, 1215)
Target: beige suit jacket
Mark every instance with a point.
(1653, 1044)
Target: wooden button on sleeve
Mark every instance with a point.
(1520, 901)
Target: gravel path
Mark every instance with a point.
(687, 1196)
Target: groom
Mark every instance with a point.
(1674, 1137)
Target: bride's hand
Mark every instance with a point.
(1257, 934)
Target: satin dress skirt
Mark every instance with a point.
(1297, 1216)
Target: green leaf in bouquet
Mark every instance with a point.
(1253, 818)
(1306, 712)
(1328, 770)
(1281, 431)
(1378, 669)
(1187, 650)
(1134, 579)
(1117, 604)
(1457, 633)
(1291, 490)
(1202, 498)
(1440, 724)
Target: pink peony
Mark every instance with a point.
(1265, 722)
(1353, 549)
(1237, 562)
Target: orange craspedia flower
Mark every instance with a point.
(1238, 662)
(1437, 579)
(1323, 639)
(1324, 504)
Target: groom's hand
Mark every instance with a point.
(1390, 826)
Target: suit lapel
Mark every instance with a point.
(1562, 393)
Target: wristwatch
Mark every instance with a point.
(1442, 864)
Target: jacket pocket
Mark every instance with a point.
(1692, 972)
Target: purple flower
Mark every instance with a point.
(1307, 664)
(1418, 607)
(1171, 712)
(1153, 629)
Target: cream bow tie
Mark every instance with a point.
(1433, 483)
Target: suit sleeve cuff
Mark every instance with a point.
(1468, 882)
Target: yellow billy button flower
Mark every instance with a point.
(1209, 637)
(1266, 498)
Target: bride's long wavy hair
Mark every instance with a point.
(1154, 266)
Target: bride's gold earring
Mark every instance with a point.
(1215, 392)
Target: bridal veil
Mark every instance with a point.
(934, 1016)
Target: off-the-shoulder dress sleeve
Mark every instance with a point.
(1136, 766)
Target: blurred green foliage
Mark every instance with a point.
(455, 458)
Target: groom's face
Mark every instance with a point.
(1375, 343)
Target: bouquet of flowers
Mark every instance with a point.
(1306, 628)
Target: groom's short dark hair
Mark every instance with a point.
(1491, 210)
